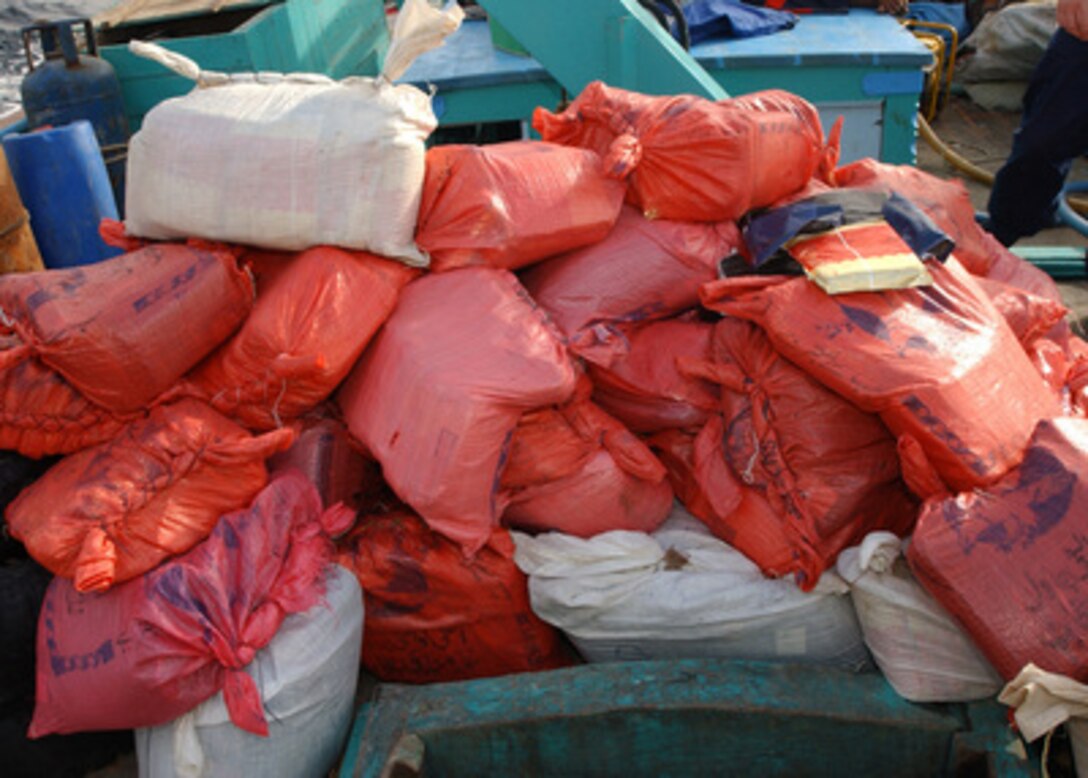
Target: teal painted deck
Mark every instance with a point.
(336, 37)
(863, 61)
(686, 717)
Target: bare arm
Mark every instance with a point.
(1073, 17)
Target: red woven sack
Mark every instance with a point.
(433, 616)
(310, 324)
(437, 395)
(577, 470)
(152, 649)
(42, 414)
(643, 270)
(1009, 561)
(112, 512)
(948, 204)
(645, 390)
(828, 472)
(938, 363)
(125, 330)
(511, 204)
(693, 159)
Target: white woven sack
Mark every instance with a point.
(682, 593)
(306, 677)
(289, 161)
(925, 655)
(1043, 701)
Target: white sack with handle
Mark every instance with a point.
(289, 161)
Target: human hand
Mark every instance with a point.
(1073, 17)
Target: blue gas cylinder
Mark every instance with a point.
(61, 178)
(70, 86)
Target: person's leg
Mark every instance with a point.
(1053, 131)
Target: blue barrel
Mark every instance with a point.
(62, 179)
(70, 86)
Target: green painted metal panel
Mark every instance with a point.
(1065, 263)
(685, 717)
(335, 37)
(616, 41)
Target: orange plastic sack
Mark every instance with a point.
(333, 462)
(645, 390)
(948, 204)
(311, 322)
(577, 470)
(151, 650)
(112, 512)
(938, 363)
(643, 270)
(1008, 561)
(439, 392)
(699, 475)
(433, 616)
(511, 204)
(693, 159)
(41, 413)
(1029, 316)
(828, 472)
(125, 330)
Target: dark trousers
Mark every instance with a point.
(1053, 132)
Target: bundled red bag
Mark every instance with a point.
(125, 330)
(699, 474)
(645, 390)
(643, 270)
(948, 204)
(433, 616)
(938, 363)
(437, 395)
(511, 204)
(41, 413)
(575, 469)
(333, 461)
(1009, 561)
(694, 159)
(112, 512)
(152, 649)
(828, 472)
(311, 322)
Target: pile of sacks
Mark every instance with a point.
(668, 383)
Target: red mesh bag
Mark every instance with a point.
(938, 363)
(152, 649)
(645, 390)
(439, 392)
(693, 159)
(432, 615)
(828, 472)
(1009, 561)
(125, 330)
(511, 204)
(312, 320)
(643, 270)
(112, 512)
(577, 470)
(41, 413)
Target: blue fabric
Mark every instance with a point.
(916, 229)
(1053, 132)
(732, 19)
(952, 14)
(766, 232)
